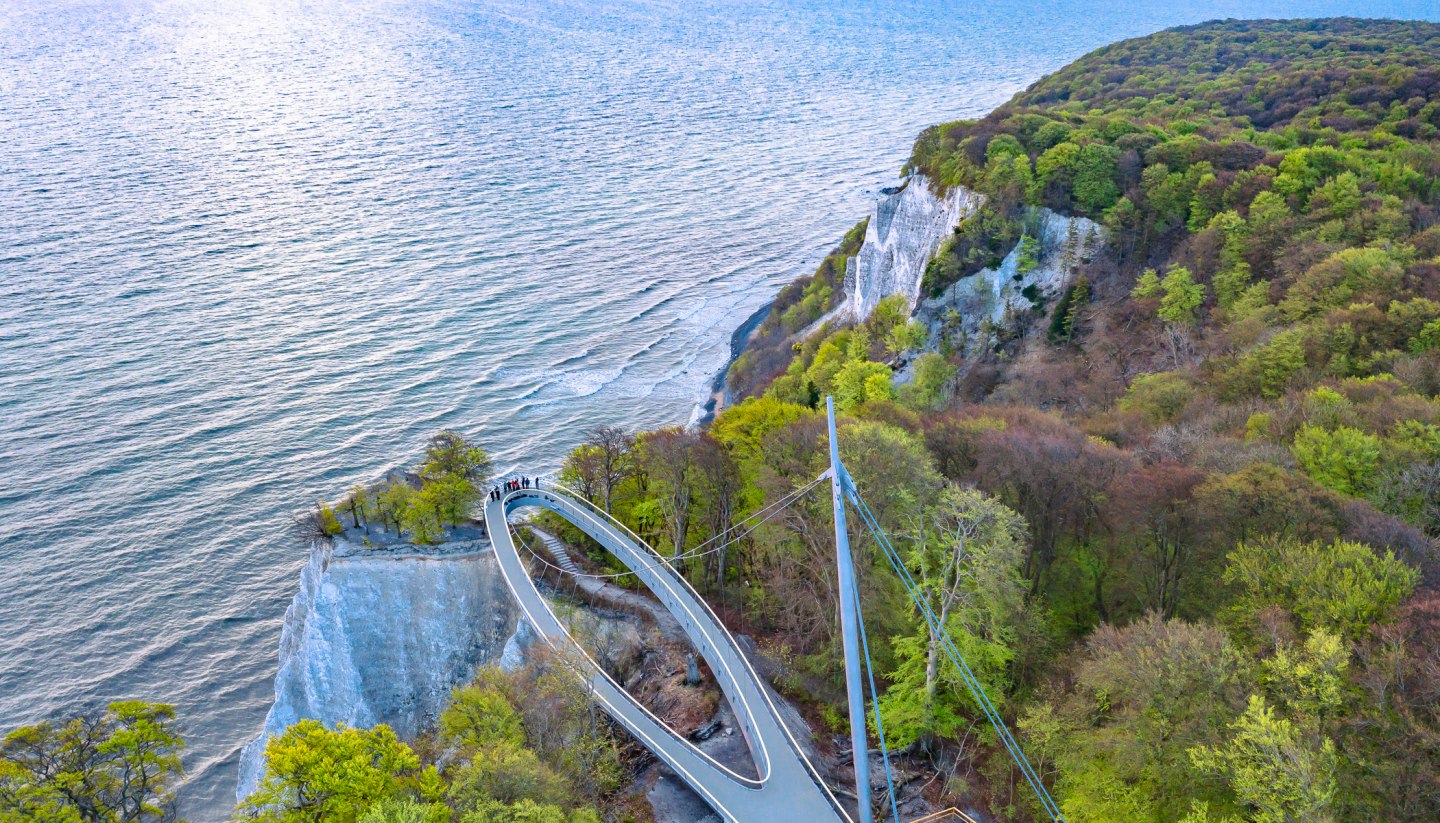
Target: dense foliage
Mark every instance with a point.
(1183, 528)
(116, 766)
(513, 747)
(795, 308)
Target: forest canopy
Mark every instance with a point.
(1184, 519)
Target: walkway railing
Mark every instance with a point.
(755, 711)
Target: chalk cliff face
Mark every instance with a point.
(907, 226)
(376, 637)
(990, 294)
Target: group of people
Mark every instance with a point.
(514, 485)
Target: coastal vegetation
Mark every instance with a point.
(1182, 523)
(512, 747)
(414, 506)
(1183, 527)
(795, 308)
(120, 765)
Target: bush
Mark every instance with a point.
(326, 521)
(1160, 397)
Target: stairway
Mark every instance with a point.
(557, 551)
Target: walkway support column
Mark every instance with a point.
(849, 626)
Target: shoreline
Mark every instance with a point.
(739, 341)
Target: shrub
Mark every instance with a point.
(1160, 397)
(326, 521)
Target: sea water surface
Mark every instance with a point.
(253, 251)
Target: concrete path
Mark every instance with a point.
(788, 788)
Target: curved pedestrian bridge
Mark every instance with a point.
(787, 788)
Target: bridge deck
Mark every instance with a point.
(788, 788)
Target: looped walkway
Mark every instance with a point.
(788, 787)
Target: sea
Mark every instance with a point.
(255, 251)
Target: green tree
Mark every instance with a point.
(829, 359)
(480, 716)
(1268, 368)
(1066, 317)
(1234, 276)
(1142, 696)
(1029, 256)
(356, 504)
(1201, 209)
(526, 811)
(859, 381)
(1160, 397)
(1125, 222)
(1268, 212)
(508, 772)
(905, 336)
(119, 766)
(1095, 170)
(325, 520)
(967, 557)
(1347, 276)
(421, 519)
(406, 810)
(1231, 284)
(450, 496)
(1272, 769)
(1003, 147)
(1411, 441)
(1050, 134)
(926, 388)
(1340, 196)
(1342, 587)
(1308, 683)
(742, 429)
(450, 453)
(313, 773)
(1057, 165)
(613, 450)
(584, 471)
(392, 502)
(1147, 286)
(563, 725)
(1344, 459)
(1182, 296)
(1428, 339)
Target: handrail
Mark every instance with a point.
(574, 498)
(794, 744)
(762, 770)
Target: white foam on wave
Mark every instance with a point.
(578, 383)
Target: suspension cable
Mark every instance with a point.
(770, 511)
(875, 704)
(972, 682)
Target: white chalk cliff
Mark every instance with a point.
(990, 294)
(906, 228)
(382, 636)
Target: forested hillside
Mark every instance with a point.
(1183, 522)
